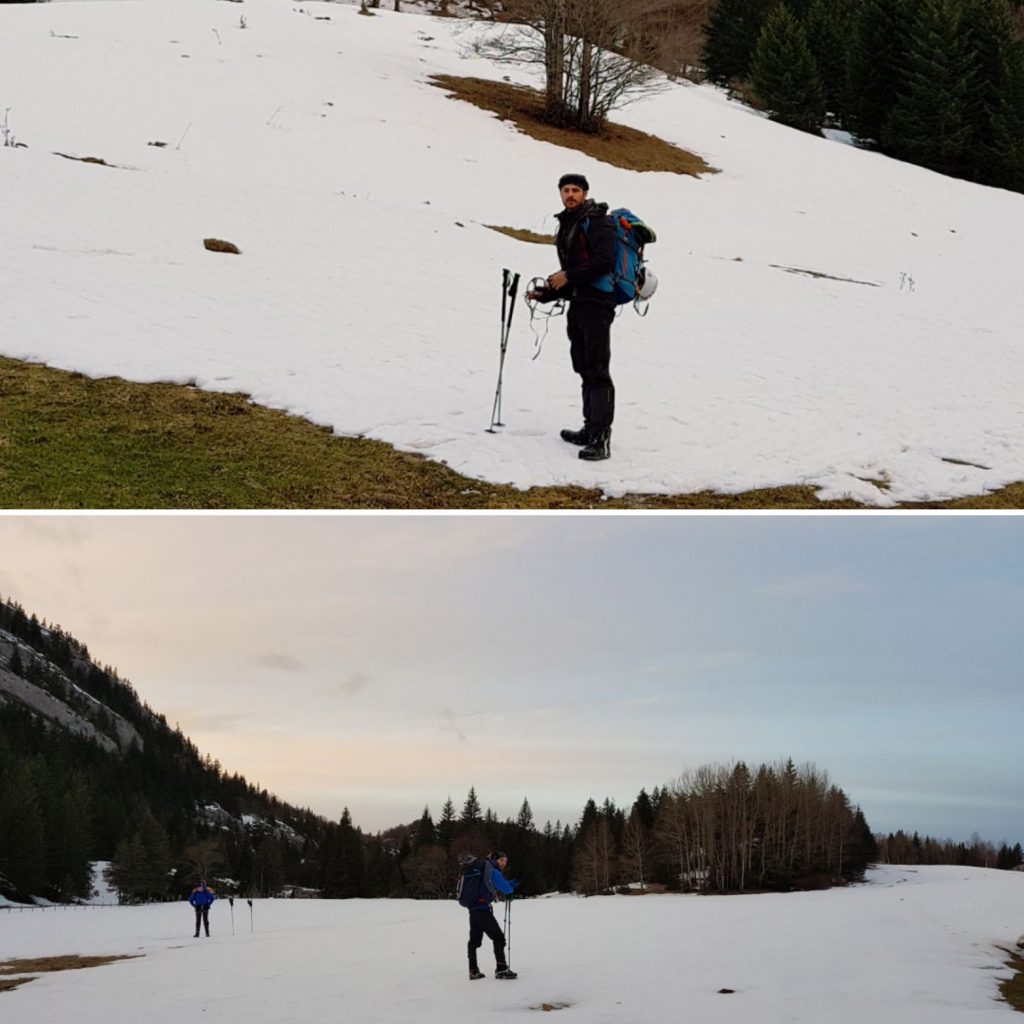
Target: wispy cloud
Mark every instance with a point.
(277, 660)
(353, 683)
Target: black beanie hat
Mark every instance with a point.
(574, 179)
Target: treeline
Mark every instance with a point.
(718, 829)
(938, 83)
(899, 848)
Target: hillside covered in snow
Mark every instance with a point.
(825, 316)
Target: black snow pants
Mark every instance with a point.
(203, 915)
(590, 346)
(483, 922)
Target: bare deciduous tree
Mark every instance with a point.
(428, 874)
(635, 850)
(596, 54)
(204, 857)
(592, 865)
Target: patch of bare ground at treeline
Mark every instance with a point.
(616, 144)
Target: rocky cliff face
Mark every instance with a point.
(30, 678)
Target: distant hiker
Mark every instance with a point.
(586, 253)
(479, 886)
(201, 898)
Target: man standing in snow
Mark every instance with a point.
(586, 254)
(482, 921)
(201, 898)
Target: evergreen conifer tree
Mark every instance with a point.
(23, 845)
(785, 76)
(471, 813)
(127, 869)
(830, 27)
(426, 834)
(447, 826)
(996, 101)
(929, 123)
(346, 864)
(69, 838)
(731, 36)
(525, 817)
(878, 55)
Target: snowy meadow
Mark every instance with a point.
(912, 944)
(826, 316)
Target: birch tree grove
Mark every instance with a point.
(724, 830)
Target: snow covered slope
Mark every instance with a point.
(825, 316)
(913, 945)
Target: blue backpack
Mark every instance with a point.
(471, 883)
(627, 278)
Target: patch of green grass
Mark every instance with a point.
(1012, 989)
(68, 441)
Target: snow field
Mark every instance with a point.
(913, 944)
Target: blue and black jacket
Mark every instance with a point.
(202, 896)
(494, 882)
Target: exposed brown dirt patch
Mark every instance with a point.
(86, 159)
(1013, 988)
(616, 145)
(523, 234)
(69, 962)
(6, 984)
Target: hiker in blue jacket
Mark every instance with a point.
(586, 254)
(481, 917)
(201, 898)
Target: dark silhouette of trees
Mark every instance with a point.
(939, 83)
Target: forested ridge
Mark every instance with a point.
(165, 815)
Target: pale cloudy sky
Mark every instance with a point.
(385, 662)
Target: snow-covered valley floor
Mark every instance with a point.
(912, 945)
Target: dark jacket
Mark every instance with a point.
(585, 253)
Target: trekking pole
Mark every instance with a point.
(508, 929)
(509, 288)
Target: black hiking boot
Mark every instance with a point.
(600, 446)
(505, 972)
(475, 973)
(579, 437)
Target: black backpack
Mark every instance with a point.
(471, 883)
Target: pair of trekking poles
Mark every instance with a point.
(509, 289)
